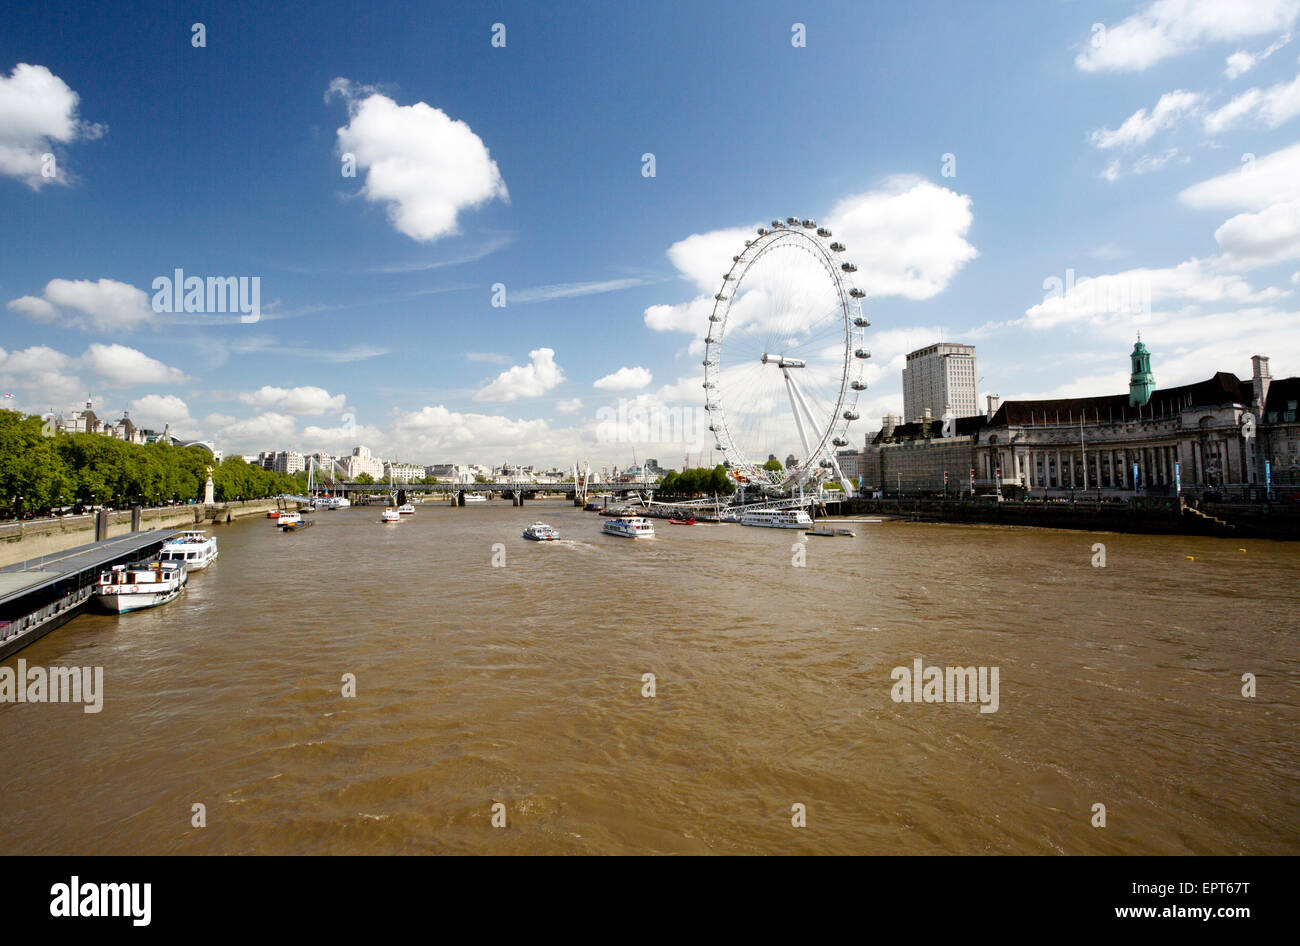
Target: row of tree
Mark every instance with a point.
(696, 481)
(40, 472)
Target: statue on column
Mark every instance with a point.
(208, 490)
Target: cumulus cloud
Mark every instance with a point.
(106, 306)
(38, 112)
(1257, 184)
(424, 166)
(624, 379)
(122, 366)
(300, 400)
(1142, 126)
(1251, 240)
(1168, 28)
(571, 406)
(531, 380)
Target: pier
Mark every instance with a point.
(40, 594)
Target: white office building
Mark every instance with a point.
(940, 379)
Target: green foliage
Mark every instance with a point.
(93, 469)
(697, 481)
(776, 466)
(365, 479)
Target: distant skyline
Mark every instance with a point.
(388, 173)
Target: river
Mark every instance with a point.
(521, 683)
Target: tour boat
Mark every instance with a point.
(390, 515)
(406, 510)
(475, 498)
(290, 518)
(273, 514)
(776, 518)
(145, 585)
(631, 527)
(194, 549)
(541, 532)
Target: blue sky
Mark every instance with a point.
(1114, 153)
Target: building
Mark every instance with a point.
(1220, 435)
(940, 379)
(403, 472)
(288, 461)
(361, 461)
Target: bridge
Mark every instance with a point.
(455, 493)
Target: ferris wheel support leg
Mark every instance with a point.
(807, 411)
(795, 401)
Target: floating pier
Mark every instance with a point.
(40, 594)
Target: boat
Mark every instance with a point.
(592, 507)
(688, 521)
(273, 514)
(295, 526)
(194, 549)
(631, 527)
(406, 509)
(390, 515)
(290, 518)
(475, 498)
(849, 533)
(776, 518)
(126, 588)
(541, 532)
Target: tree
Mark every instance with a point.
(365, 479)
(774, 465)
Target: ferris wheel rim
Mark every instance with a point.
(848, 310)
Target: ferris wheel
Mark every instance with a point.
(784, 358)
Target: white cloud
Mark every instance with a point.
(123, 367)
(1241, 62)
(105, 306)
(907, 239)
(531, 380)
(1250, 240)
(270, 429)
(624, 379)
(37, 113)
(1168, 28)
(157, 411)
(571, 406)
(1258, 183)
(574, 289)
(1141, 126)
(423, 165)
(1269, 107)
(301, 400)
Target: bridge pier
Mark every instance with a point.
(458, 498)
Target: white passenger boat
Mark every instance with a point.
(390, 515)
(194, 549)
(776, 518)
(133, 587)
(475, 498)
(289, 518)
(541, 532)
(632, 527)
(406, 510)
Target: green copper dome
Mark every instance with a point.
(1142, 382)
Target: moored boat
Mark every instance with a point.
(475, 498)
(776, 518)
(631, 527)
(126, 588)
(194, 549)
(406, 510)
(541, 532)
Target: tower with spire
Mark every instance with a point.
(1142, 382)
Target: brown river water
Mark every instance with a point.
(522, 685)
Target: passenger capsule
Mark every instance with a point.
(848, 267)
(793, 221)
(837, 247)
(851, 415)
(808, 224)
(823, 232)
(858, 385)
(840, 442)
(862, 353)
(857, 293)
(861, 322)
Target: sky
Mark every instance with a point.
(1042, 180)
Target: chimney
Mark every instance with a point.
(994, 402)
(1262, 379)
